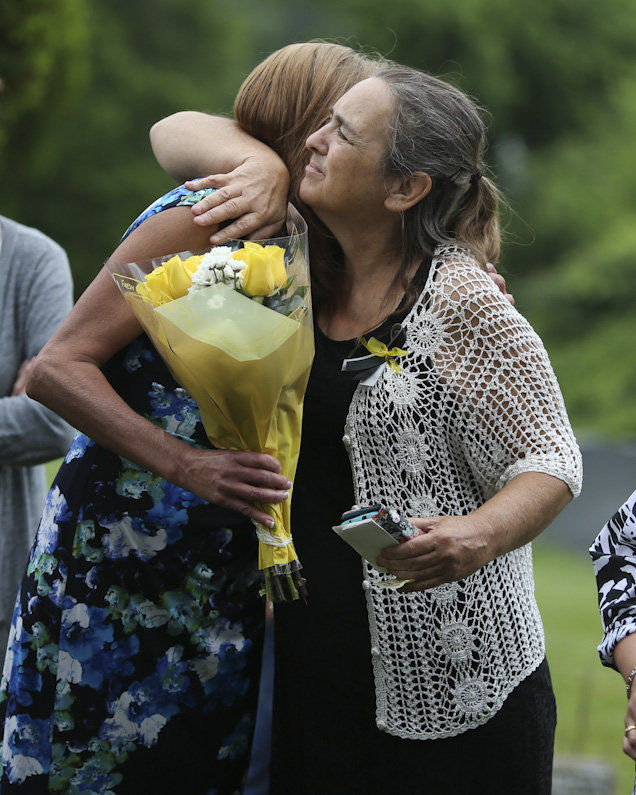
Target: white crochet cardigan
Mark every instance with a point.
(476, 404)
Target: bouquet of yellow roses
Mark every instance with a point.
(234, 326)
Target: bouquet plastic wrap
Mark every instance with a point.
(234, 326)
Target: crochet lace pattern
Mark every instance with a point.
(475, 404)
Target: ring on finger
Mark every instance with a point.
(629, 728)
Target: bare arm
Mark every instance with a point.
(190, 144)
(625, 659)
(520, 511)
(252, 182)
(67, 378)
(513, 427)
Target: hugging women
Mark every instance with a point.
(136, 663)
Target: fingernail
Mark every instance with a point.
(285, 495)
(289, 484)
(269, 522)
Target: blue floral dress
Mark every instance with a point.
(134, 653)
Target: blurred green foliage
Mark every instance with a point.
(83, 175)
(42, 56)
(84, 80)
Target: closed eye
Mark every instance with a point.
(336, 119)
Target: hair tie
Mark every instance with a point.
(476, 176)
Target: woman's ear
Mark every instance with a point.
(404, 192)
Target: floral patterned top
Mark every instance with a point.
(135, 646)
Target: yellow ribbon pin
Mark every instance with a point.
(380, 349)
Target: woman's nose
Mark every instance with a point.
(317, 141)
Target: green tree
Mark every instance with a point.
(540, 69)
(42, 57)
(85, 178)
(581, 292)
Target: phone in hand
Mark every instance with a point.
(371, 529)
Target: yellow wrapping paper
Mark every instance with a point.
(266, 358)
(246, 365)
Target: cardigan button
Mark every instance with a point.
(346, 440)
(375, 652)
(366, 585)
(381, 724)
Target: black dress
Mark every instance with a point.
(325, 739)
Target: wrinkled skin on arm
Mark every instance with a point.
(252, 182)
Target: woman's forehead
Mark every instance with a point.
(366, 105)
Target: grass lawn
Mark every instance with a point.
(590, 699)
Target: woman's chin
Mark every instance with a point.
(307, 191)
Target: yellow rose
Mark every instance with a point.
(180, 274)
(265, 268)
(192, 263)
(156, 288)
(171, 280)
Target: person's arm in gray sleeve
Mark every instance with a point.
(29, 433)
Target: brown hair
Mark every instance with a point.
(281, 102)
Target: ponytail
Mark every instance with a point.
(476, 221)
(438, 130)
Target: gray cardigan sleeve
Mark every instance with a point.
(29, 433)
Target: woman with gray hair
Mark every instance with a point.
(468, 434)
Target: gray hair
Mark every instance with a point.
(437, 129)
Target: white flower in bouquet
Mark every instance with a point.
(217, 266)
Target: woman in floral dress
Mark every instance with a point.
(134, 653)
(136, 642)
